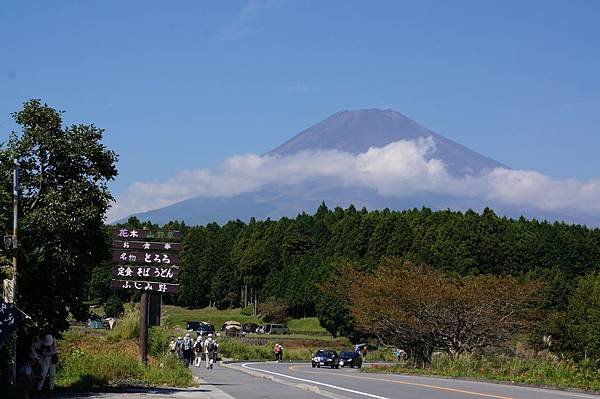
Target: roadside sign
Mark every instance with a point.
(11, 317)
(145, 272)
(148, 286)
(140, 234)
(145, 258)
(146, 245)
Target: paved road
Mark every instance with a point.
(227, 383)
(351, 383)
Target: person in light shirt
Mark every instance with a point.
(47, 352)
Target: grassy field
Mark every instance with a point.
(297, 346)
(540, 371)
(100, 358)
(175, 316)
(91, 360)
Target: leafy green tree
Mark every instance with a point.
(65, 172)
(334, 315)
(99, 285)
(583, 318)
(274, 310)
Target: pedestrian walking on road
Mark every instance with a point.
(179, 347)
(47, 352)
(187, 350)
(278, 349)
(173, 346)
(198, 351)
(210, 351)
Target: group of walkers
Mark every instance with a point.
(39, 366)
(194, 352)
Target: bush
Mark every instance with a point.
(544, 371)
(113, 307)
(128, 327)
(239, 350)
(247, 311)
(158, 341)
(89, 361)
(274, 310)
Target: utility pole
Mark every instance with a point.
(11, 289)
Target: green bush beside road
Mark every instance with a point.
(90, 360)
(539, 371)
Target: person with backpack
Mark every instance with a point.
(45, 349)
(179, 347)
(210, 351)
(172, 346)
(187, 350)
(278, 349)
(198, 351)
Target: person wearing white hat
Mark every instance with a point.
(187, 349)
(198, 351)
(47, 352)
(210, 351)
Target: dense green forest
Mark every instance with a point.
(289, 258)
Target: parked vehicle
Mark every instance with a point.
(326, 357)
(232, 328)
(201, 327)
(273, 329)
(231, 323)
(249, 327)
(193, 325)
(350, 359)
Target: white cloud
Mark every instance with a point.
(399, 169)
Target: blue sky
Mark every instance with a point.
(186, 84)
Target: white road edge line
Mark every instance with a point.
(245, 365)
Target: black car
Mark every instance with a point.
(205, 329)
(201, 327)
(350, 359)
(326, 357)
(193, 325)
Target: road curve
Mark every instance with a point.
(352, 383)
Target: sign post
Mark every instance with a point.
(140, 255)
(10, 285)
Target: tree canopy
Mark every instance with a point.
(64, 195)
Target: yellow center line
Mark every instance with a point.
(416, 384)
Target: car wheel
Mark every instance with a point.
(318, 366)
(337, 367)
(351, 366)
(313, 366)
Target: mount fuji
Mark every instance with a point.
(348, 132)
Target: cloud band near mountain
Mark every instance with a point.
(399, 169)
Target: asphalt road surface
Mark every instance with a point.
(351, 383)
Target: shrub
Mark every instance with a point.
(128, 327)
(247, 311)
(113, 307)
(274, 310)
(158, 341)
(239, 350)
(91, 360)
